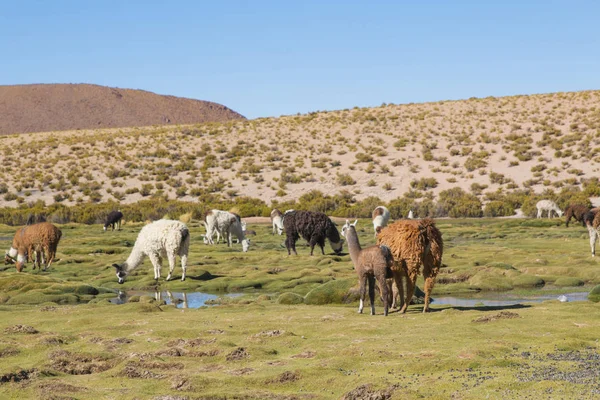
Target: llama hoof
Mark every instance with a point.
(169, 277)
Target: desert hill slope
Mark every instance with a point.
(537, 142)
(59, 107)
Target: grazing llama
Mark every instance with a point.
(381, 217)
(371, 263)
(37, 241)
(576, 211)
(277, 221)
(592, 222)
(162, 238)
(549, 206)
(314, 227)
(113, 219)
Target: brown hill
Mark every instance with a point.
(59, 107)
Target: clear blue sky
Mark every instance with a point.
(271, 58)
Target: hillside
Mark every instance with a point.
(59, 107)
(536, 142)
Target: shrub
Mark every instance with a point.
(498, 209)
(345, 179)
(424, 183)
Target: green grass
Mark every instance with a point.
(260, 346)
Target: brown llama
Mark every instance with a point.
(414, 244)
(371, 263)
(576, 211)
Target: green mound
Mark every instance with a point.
(528, 281)
(335, 291)
(290, 298)
(594, 294)
(568, 281)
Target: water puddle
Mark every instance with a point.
(199, 299)
(503, 301)
(180, 299)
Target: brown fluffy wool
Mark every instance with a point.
(414, 243)
(42, 237)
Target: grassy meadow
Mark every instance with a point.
(295, 332)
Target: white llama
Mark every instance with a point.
(162, 238)
(549, 206)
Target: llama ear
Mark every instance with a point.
(118, 267)
(378, 229)
(355, 221)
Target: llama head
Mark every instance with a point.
(204, 239)
(337, 246)
(245, 245)
(20, 264)
(279, 226)
(121, 273)
(9, 258)
(560, 213)
(348, 225)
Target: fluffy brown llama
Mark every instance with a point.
(414, 244)
(371, 263)
(39, 239)
(576, 211)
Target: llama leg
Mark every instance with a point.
(539, 213)
(312, 242)
(183, 265)
(362, 279)
(172, 261)
(399, 296)
(593, 233)
(429, 274)
(411, 280)
(372, 292)
(384, 293)
(156, 263)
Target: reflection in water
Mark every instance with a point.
(180, 299)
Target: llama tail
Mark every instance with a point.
(185, 234)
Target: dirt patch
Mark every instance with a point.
(174, 352)
(9, 351)
(21, 329)
(18, 376)
(500, 315)
(274, 333)
(169, 397)
(135, 373)
(240, 372)
(305, 354)
(59, 387)
(154, 365)
(178, 383)
(79, 363)
(121, 341)
(287, 376)
(216, 331)
(48, 308)
(191, 343)
(238, 354)
(366, 392)
(53, 340)
(209, 353)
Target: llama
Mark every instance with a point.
(314, 227)
(414, 243)
(592, 222)
(576, 211)
(162, 238)
(381, 217)
(37, 241)
(224, 224)
(113, 219)
(547, 205)
(277, 221)
(371, 263)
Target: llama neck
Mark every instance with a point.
(134, 260)
(353, 244)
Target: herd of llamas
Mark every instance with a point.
(404, 249)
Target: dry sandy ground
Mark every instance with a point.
(539, 141)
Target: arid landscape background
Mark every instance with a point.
(541, 143)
